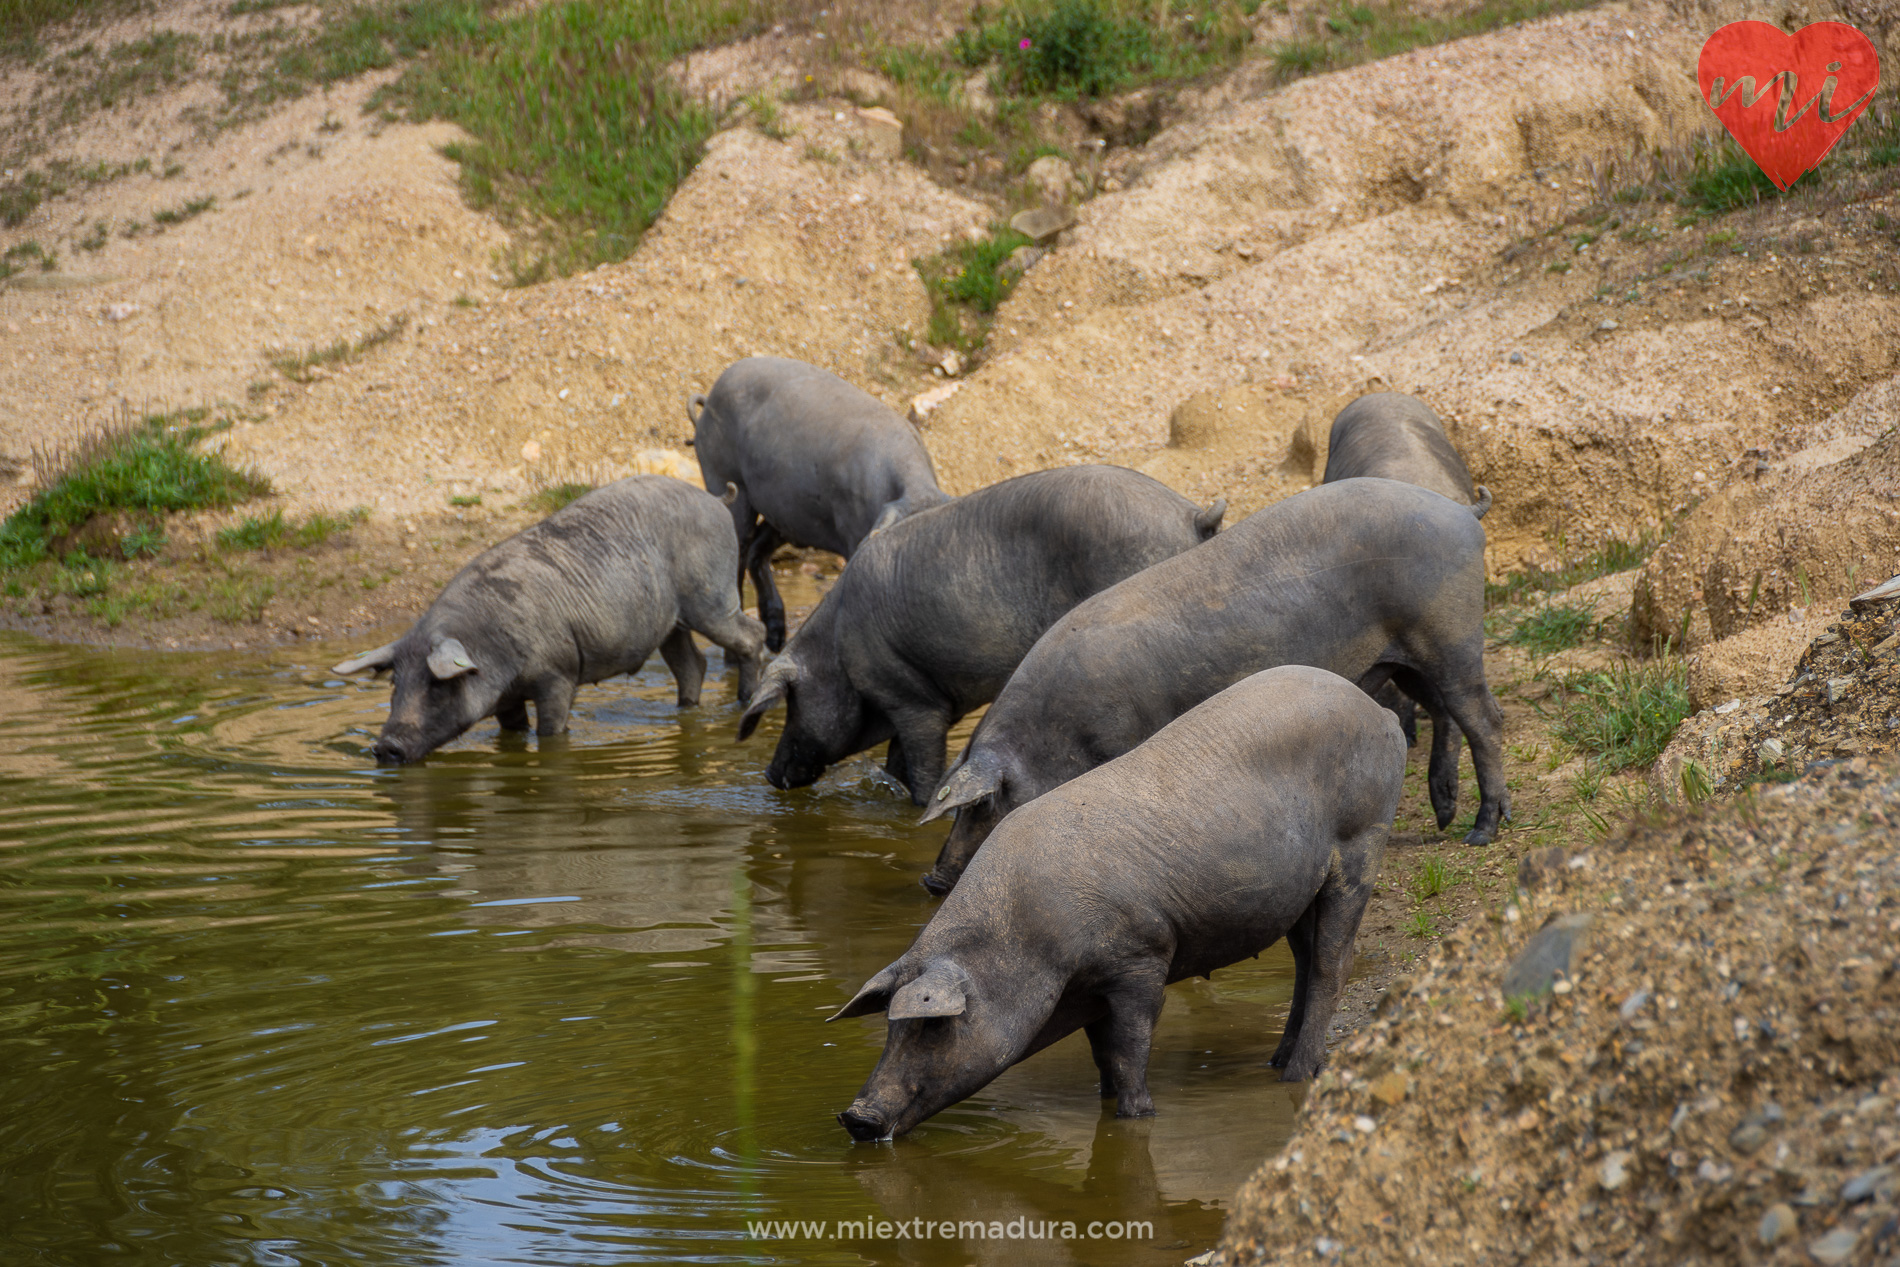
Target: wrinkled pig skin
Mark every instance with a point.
(1260, 814)
(1372, 579)
(937, 609)
(586, 594)
(801, 456)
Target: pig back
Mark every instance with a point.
(1390, 435)
(1216, 832)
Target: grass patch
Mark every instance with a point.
(150, 466)
(1068, 49)
(185, 211)
(1558, 627)
(1623, 716)
(22, 21)
(548, 500)
(273, 531)
(305, 366)
(1434, 877)
(579, 136)
(1615, 556)
(23, 254)
(966, 283)
(1356, 33)
(468, 499)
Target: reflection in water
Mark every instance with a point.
(534, 1002)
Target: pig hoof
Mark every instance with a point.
(937, 885)
(1479, 836)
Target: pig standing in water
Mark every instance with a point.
(807, 458)
(1259, 815)
(1368, 578)
(583, 595)
(1389, 435)
(935, 611)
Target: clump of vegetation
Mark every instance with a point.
(184, 212)
(1089, 48)
(579, 134)
(1356, 33)
(548, 500)
(21, 254)
(966, 283)
(1615, 556)
(303, 367)
(1558, 627)
(273, 531)
(1623, 716)
(151, 466)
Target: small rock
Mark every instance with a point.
(1868, 1184)
(922, 405)
(1769, 750)
(1328, 1248)
(531, 451)
(1364, 1125)
(1389, 1089)
(1517, 358)
(1778, 1224)
(1633, 1004)
(1614, 1172)
(1607, 324)
(1053, 178)
(1042, 223)
(1885, 592)
(885, 130)
(119, 312)
(1024, 258)
(1208, 1259)
(952, 364)
(1834, 1248)
(1837, 687)
(1723, 710)
(1554, 950)
(1749, 1136)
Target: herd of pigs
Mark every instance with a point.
(1196, 738)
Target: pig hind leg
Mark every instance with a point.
(1121, 1040)
(718, 616)
(686, 662)
(1335, 914)
(1475, 711)
(921, 750)
(1442, 777)
(758, 565)
(1299, 940)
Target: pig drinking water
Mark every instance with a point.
(1369, 578)
(936, 610)
(1390, 435)
(588, 593)
(806, 458)
(1258, 815)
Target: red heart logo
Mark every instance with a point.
(1787, 99)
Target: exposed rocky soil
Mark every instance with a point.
(1841, 699)
(1714, 1081)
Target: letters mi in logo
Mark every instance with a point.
(1786, 99)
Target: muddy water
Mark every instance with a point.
(529, 1002)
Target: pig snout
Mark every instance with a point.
(392, 750)
(864, 1123)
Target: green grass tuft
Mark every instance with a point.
(152, 466)
(302, 367)
(273, 531)
(553, 498)
(1623, 716)
(966, 283)
(1555, 628)
(1615, 556)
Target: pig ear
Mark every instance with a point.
(874, 997)
(379, 659)
(1207, 521)
(450, 659)
(774, 684)
(979, 776)
(939, 992)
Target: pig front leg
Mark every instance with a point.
(758, 565)
(1121, 1041)
(922, 744)
(686, 662)
(513, 714)
(553, 698)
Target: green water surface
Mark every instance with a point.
(549, 1002)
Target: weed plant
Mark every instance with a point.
(966, 283)
(548, 500)
(302, 367)
(1558, 627)
(274, 532)
(1625, 715)
(150, 466)
(1615, 556)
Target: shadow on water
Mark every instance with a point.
(526, 1002)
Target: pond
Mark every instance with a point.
(528, 1001)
